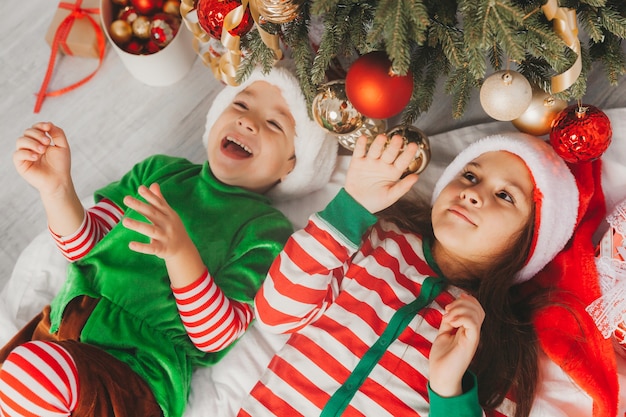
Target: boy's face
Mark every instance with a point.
(251, 145)
(482, 209)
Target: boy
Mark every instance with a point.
(166, 264)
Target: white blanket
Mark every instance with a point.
(217, 391)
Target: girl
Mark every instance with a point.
(387, 316)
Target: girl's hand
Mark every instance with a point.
(168, 236)
(373, 179)
(43, 158)
(455, 345)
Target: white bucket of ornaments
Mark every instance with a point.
(150, 39)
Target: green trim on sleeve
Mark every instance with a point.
(464, 405)
(348, 217)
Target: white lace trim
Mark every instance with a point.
(609, 310)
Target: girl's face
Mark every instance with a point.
(480, 212)
(251, 145)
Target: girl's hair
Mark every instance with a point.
(507, 357)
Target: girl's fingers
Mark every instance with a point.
(391, 150)
(406, 157)
(376, 148)
(360, 148)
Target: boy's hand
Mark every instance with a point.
(43, 158)
(168, 236)
(373, 178)
(455, 345)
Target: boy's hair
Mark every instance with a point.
(316, 150)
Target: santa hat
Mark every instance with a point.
(555, 192)
(567, 333)
(316, 150)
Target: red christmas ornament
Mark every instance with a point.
(147, 7)
(163, 28)
(151, 47)
(134, 47)
(211, 14)
(581, 133)
(128, 14)
(374, 90)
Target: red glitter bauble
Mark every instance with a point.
(211, 14)
(374, 90)
(164, 28)
(147, 7)
(581, 133)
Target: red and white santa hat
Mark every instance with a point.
(316, 149)
(555, 193)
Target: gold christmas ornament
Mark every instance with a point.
(121, 32)
(279, 11)
(332, 110)
(172, 7)
(505, 95)
(369, 128)
(538, 117)
(412, 134)
(141, 27)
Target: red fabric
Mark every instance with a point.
(566, 332)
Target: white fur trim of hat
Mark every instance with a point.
(556, 193)
(316, 149)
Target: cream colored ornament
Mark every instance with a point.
(279, 11)
(369, 128)
(412, 134)
(538, 117)
(505, 95)
(332, 110)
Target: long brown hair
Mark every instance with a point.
(507, 357)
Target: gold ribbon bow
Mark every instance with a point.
(565, 25)
(224, 66)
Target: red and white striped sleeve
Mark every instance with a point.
(98, 221)
(211, 319)
(303, 280)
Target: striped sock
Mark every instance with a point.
(38, 379)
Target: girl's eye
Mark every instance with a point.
(505, 196)
(240, 105)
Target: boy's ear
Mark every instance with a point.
(292, 158)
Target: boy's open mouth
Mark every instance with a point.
(234, 148)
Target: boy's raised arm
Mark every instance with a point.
(43, 159)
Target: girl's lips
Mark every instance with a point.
(462, 213)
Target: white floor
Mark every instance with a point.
(115, 121)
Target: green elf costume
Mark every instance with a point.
(116, 313)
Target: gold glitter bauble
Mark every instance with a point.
(412, 134)
(505, 95)
(333, 111)
(141, 27)
(279, 11)
(121, 32)
(538, 117)
(369, 128)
